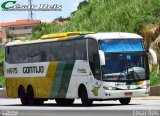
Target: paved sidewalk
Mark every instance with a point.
(147, 98)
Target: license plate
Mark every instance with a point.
(128, 93)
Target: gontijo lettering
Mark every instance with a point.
(33, 69)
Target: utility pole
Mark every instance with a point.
(30, 13)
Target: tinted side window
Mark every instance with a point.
(92, 49)
(14, 56)
(56, 51)
(68, 50)
(8, 54)
(44, 52)
(80, 50)
(23, 54)
(34, 54)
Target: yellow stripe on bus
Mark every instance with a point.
(45, 84)
(140, 82)
(63, 35)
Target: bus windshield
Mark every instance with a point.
(125, 66)
(125, 60)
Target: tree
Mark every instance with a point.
(11, 35)
(82, 4)
(61, 19)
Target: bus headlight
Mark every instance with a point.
(145, 87)
(109, 88)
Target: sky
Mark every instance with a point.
(68, 6)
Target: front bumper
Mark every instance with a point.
(113, 94)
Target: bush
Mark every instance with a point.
(155, 79)
(2, 79)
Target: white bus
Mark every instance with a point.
(66, 66)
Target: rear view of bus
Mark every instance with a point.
(124, 66)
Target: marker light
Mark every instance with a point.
(109, 88)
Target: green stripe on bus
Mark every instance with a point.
(66, 79)
(76, 37)
(57, 80)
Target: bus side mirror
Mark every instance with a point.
(154, 55)
(102, 57)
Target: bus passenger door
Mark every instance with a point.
(96, 84)
(94, 62)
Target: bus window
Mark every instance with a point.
(14, 52)
(8, 54)
(68, 50)
(56, 51)
(92, 49)
(80, 50)
(23, 54)
(34, 55)
(44, 52)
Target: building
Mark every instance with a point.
(20, 28)
(60, 22)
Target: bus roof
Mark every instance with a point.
(78, 35)
(113, 35)
(52, 37)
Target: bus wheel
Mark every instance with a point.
(39, 101)
(64, 101)
(30, 95)
(84, 97)
(23, 96)
(124, 101)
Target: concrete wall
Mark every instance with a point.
(3, 94)
(155, 91)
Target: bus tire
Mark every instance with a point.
(124, 101)
(39, 101)
(84, 97)
(30, 96)
(64, 101)
(23, 96)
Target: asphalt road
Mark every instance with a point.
(137, 107)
